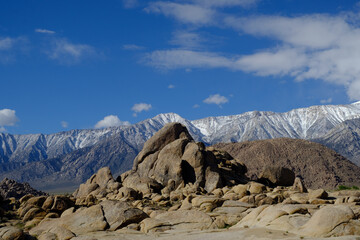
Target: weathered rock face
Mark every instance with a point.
(43, 207)
(277, 176)
(108, 215)
(10, 188)
(100, 182)
(119, 214)
(11, 233)
(171, 158)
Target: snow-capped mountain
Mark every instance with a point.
(35, 147)
(304, 123)
(77, 154)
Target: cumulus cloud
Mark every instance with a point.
(196, 106)
(314, 46)
(140, 107)
(46, 31)
(171, 86)
(132, 47)
(111, 121)
(216, 99)
(7, 118)
(67, 52)
(64, 124)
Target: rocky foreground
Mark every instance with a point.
(179, 189)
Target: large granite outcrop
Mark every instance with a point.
(171, 158)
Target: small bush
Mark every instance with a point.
(342, 187)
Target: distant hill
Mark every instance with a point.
(319, 166)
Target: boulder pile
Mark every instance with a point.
(180, 189)
(10, 188)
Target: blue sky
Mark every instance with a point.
(92, 64)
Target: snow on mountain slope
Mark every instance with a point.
(35, 147)
(305, 123)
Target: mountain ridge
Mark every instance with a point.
(52, 154)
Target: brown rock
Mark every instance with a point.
(172, 159)
(32, 213)
(84, 220)
(319, 193)
(325, 220)
(11, 233)
(163, 137)
(36, 201)
(277, 176)
(256, 188)
(102, 180)
(120, 214)
(299, 186)
(177, 220)
(48, 203)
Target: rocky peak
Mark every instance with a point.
(171, 159)
(169, 133)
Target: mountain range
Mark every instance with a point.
(65, 159)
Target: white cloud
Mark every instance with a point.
(2, 129)
(140, 107)
(216, 99)
(316, 47)
(10, 47)
(6, 43)
(310, 31)
(132, 47)
(64, 124)
(46, 31)
(196, 106)
(111, 121)
(67, 52)
(325, 101)
(311, 47)
(186, 13)
(171, 86)
(187, 40)
(7, 118)
(130, 3)
(178, 58)
(275, 62)
(197, 12)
